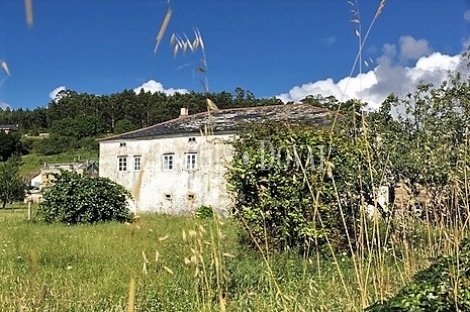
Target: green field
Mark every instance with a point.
(180, 264)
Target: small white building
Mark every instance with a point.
(45, 177)
(179, 165)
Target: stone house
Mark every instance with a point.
(45, 177)
(179, 165)
(9, 128)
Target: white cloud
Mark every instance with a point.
(466, 16)
(4, 106)
(412, 49)
(389, 76)
(54, 94)
(155, 86)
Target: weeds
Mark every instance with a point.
(180, 263)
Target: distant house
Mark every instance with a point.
(9, 128)
(45, 178)
(176, 166)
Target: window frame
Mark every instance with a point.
(190, 162)
(168, 161)
(122, 163)
(137, 162)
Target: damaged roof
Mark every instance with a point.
(227, 120)
(9, 127)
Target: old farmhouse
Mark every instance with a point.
(178, 165)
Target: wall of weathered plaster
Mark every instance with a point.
(47, 173)
(158, 190)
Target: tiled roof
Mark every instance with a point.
(9, 127)
(231, 120)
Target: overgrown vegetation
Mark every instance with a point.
(74, 199)
(444, 286)
(174, 261)
(292, 192)
(417, 145)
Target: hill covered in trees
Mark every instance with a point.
(76, 119)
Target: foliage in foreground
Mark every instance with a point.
(75, 198)
(179, 264)
(288, 192)
(444, 286)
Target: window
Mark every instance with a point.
(191, 161)
(122, 144)
(168, 197)
(122, 163)
(191, 197)
(168, 162)
(193, 139)
(137, 163)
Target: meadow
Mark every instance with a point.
(176, 263)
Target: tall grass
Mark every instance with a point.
(179, 263)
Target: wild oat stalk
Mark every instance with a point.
(163, 27)
(29, 12)
(131, 300)
(181, 43)
(362, 38)
(34, 262)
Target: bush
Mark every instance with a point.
(12, 185)
(74, 199)
(444, 286)
(287, 195)
(204, 212)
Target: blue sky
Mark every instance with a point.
(281, 48)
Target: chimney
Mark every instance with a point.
(184, 112)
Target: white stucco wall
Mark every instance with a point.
(37, 180)
(152, 185)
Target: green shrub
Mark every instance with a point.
(444, 286)
(288, 195)
(12, 185)
(33, 132)
(74, 199)
(204, 212)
